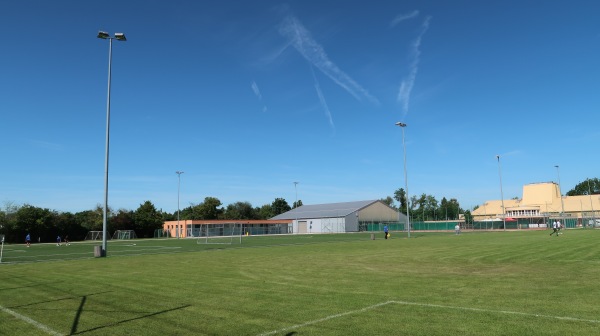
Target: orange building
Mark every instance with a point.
(199, 228)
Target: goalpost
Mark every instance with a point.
(124, 234)
(1, 248)
(230, 233)
(95, 235)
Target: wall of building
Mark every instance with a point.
(378, 212)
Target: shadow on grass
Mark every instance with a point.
(80, 310)
(56, 300)
(31, 285)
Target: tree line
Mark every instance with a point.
(45, 224)
(16, 221)
(427, 207)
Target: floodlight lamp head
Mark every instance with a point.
(103, 35)
(400, 124)
(120, 37)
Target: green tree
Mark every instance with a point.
(239, 210)
(280, 206)
(8, 224)
(400, 196)
(468, 217)
(91, 220)
(39, 222)
(297, 204)
(389, 201)
(123, 220)
(209, 209)
(590, 186)
(264, 212)
(147, 219)
(68, 226)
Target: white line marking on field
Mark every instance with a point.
(326, 318)
(30, 321)
(566, 318)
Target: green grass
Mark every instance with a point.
(484, 283)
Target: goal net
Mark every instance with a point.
(124, 234)
(230, 233)
(160, 233)
(95, 235)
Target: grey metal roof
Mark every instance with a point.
(325, 210)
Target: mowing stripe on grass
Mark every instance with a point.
(566, 318)
(30, 321)
(326, 318)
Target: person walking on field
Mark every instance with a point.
(457, 229)
(386, 231)
(28, 240)
(554, 228)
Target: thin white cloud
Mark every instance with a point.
(46, 145)
(408, 83)
(256, 90)
(403, 17)
(314, 53)
(257, 93)
(322, 99)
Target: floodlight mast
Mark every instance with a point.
(178, 187)
(501, 193)
(562, 203)
(403, 125)
(120, 37)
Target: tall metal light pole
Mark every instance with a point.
(118, 37)
(591, 204)
(178, 188)
(296, 205)
(296, 188)
(562, 203)
(402, 125)
(501, 193)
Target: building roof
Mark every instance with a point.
(544, 197)
(324, 210)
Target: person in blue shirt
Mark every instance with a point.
(57, 240)
(386, 231)
(28, 240)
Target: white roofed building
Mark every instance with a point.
(341, 217)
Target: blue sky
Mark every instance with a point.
(247, 97)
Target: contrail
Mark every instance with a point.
(256, 91)
(322, 99)
(403, 17)
(300, 38)
(407, 84)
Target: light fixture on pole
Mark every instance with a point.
(119, 37)
(296, 204)
(501, 193)
(178, 188)
(403, 125)
(562, 203)
(591, 204)
(296, 189)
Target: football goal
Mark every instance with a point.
(230, 233)
(95, 235)
(1, 248)
(160, 233)
(124, 234)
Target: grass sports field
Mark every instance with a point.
(480, 283)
